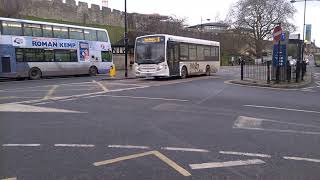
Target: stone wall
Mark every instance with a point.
(70, 12)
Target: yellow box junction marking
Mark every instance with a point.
(50, 92)
(101, 86)
(162, 157)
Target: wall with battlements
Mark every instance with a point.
(70, 12)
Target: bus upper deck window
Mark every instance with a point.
(102, 36)
(12, 28)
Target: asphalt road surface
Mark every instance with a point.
(201, 128)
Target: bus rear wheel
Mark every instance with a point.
(35, 74)
(93, 71)
(184, 73)
(208, 71)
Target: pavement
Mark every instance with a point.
(87, 128)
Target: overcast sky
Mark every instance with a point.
(210, 9)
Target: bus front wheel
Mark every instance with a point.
(35, 74)
(93, 71)
(184, 72)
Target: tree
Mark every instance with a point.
(259, 17)
(10, 8)
(155, 23)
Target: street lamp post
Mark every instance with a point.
(303, 34)
(125, 39)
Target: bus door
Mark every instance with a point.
(6, 64)
(173, 58)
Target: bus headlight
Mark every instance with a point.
(138, 68)
(160, 67)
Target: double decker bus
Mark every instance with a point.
(35, 49)
(164, 55)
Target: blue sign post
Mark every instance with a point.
(283, 55)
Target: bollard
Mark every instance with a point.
(268, 71)
(113, 71)
(242, 64)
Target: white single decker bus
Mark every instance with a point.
(163, 55)
(34, 49)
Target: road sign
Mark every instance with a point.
(277, 33)
(282, 55)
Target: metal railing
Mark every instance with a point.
(265, 71)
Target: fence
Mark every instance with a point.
(265, 71)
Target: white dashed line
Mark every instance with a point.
(128, 147)
(280, 108)
(245, 154)
(226, 164)
(75, 145)
(302, 159)
(21, 145)
(148, 98)
(184, 149)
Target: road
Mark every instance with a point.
(201, 128)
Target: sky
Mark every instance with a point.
(214, 10)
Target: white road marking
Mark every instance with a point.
(162, 157)
(249, 123)
(280, 108)
(245, 154)
(128, 147)
(149, 98)
(43, 103)
(101, 86)
(259, 87)
(302, 159)
(226, 164)
(21, 145)
(75, 145)
(16, 97)
(14, 178)
(284, 131)
(64, 100)
(50, 92)
(12, 107)
(184, 149)
(244, 121)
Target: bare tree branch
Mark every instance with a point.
(260, 17)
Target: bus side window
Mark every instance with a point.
(90, 35)
(11, 28)
(106, 56)
(32, 30)
(19, 55)
(102, 36)
(47, 31)
(184, 52)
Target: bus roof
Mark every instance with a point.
(48, 23)
(185, 39)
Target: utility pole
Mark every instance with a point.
(125, 39)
